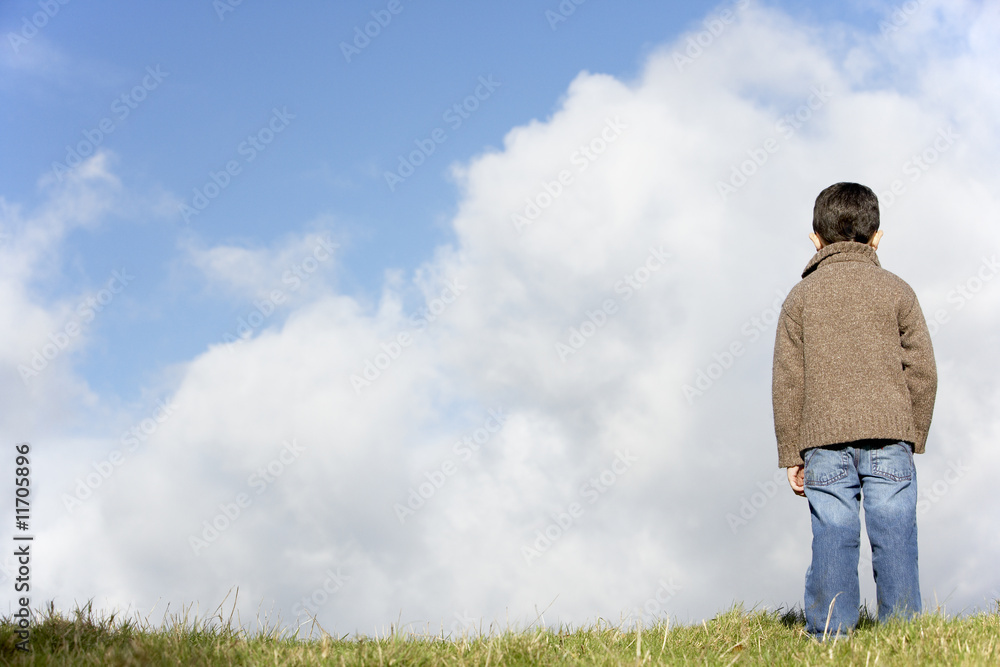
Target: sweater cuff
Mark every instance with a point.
(788, 456)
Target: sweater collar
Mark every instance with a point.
(842, 251)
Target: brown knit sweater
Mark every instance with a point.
(852, 357)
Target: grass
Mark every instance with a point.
(735, 637)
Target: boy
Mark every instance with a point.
(853, 389)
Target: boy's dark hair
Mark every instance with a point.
(846, 212)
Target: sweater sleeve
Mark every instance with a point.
(919, 369)
(788, 388)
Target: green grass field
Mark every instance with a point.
(736, 637)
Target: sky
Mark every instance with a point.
(459, 317)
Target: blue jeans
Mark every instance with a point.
(836, 478)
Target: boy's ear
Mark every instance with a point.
(817, 241)
(876, 237)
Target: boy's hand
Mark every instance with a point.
(797, 479)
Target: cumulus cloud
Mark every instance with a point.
(525, 440)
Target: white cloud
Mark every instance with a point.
(38, 382)
(608, 427)
(294, 264)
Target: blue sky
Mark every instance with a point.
(223, 73)
(387, 322)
